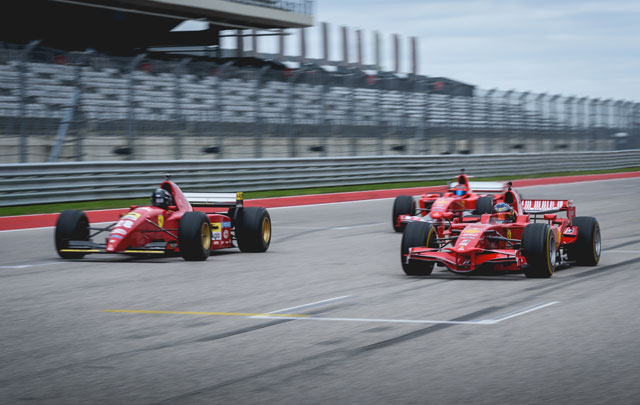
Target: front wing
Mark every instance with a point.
(469, 260)
(156, 248)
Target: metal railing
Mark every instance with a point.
(79, 181)
(294, 6)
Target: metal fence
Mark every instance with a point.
(57, 106)
(78, 181)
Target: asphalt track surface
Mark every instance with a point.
(325, 316)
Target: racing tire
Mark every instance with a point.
(71, 225)
(194, 236)
(484, 205)
(253, 229)
(539, 248)
(585, 251)
(417, 234)
(402, 205)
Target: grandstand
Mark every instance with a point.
(120, 100)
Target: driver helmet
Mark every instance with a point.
(460, 191)
(161, 198)
(505, 212)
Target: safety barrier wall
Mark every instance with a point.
(82, 181)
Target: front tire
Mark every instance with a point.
(539, 248)
(253, 229)
(586, 249)
(71, 225)
(417, 234)
(194, 236)
(402, 205)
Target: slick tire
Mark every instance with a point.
(484, 205)
(253, 229)
(402, 205)
(417, 234)
(586, 249)
(71, 225)
(539, 248)
(194, 236)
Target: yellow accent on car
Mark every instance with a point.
(240, 196)
(160, 220)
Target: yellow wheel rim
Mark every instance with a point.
(205, 234)
(266, 230)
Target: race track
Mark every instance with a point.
(325, 316)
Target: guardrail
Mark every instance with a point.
(34, 183)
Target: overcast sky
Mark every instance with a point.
(573, 47)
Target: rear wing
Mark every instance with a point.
(533, 207)
(484, 187)
(215, 199)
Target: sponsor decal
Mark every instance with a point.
(471, 231)
(126, 224)
(115, 237)
(131, 215)
(508, 233)
(463, 203)
(216, 226)
(225, 234)
(226, 224)
(119, 232)
(542, 204)
(145, 208)
(160, 220)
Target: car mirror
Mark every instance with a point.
(132, 207)
(173, 208)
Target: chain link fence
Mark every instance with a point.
(69, 106)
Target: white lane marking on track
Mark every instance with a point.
(522, 311)
(621, 251)
(422, 321)
(24, 266)
(492, 321)
(330, 229)
(312, 304)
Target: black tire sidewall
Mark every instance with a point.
(249, 232)
(417, 234)
(402, 205)
(190, 237)
(583, 250)
(71, 225)
(536, 239)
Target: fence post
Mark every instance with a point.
(178, 108)
(131, 117)
(257, 153)
(24, 144)
(420, 91)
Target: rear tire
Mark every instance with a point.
(586, 249)
(417, 234)
(539, 248)
(194, 236)
(484, 205)
(71, 225)
(402, 205)
(253, 230)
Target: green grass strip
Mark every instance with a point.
(123, 203)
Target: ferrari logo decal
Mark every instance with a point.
(160, 220)
(508, 233)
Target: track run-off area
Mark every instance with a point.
(326, 315)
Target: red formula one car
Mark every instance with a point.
(522, 235)
(462, 197)
(170, 226)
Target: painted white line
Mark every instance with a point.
(521, 312)
(313, 304)
(25, 266)
(359, 226)
(621, 251)
(420, 321)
